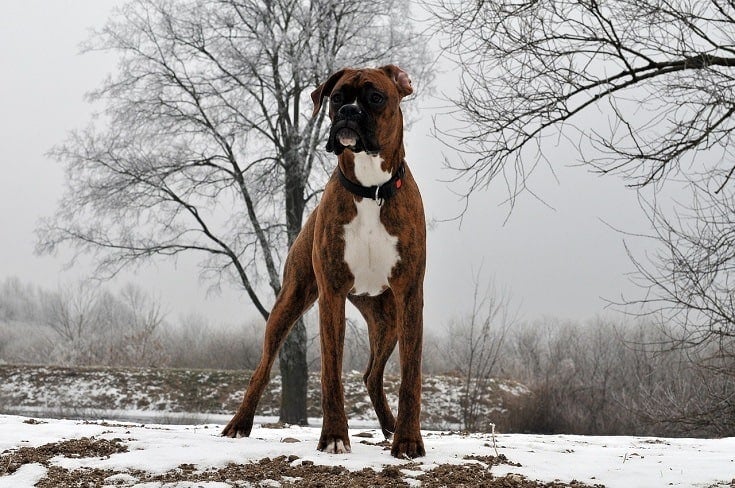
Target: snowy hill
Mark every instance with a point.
(181, 396)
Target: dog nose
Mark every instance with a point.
(348, 111)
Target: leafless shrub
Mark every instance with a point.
(688, 392)
(5, 339)
(474, 346)
(357, 346)
(606, 377)
(197, 343)
(18, 301)
(92, 326)
(576, 376)
(435, 359)
(83, 324)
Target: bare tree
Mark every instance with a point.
(18, 301)
(207, 142)
(93, 326)
(74, 316)
(689, 285)
(357, 346)
(136, 319)
(659, 73)
(644, 89)
(195, 343)
(474, 346)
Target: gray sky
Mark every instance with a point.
(554, 262)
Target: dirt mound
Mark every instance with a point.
(11, 460)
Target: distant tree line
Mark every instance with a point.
(606, 376)
(86, 325)
(601, 377)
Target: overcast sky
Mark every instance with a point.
(555, 262)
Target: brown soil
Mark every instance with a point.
(286, 470)
(10, 461)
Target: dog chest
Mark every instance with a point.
(370, 251)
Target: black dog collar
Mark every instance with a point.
(377, 193)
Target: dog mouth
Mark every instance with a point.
(347, 134)
(343, 135)
(347, 137)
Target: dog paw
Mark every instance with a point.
(238, 427)
(389, 429)
(408, 448)
(334, 446)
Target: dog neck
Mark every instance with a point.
(371, 180)
(370, 170)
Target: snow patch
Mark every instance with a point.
(612, 461)
(26, 475)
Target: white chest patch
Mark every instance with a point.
(370, 252)
(368, 171)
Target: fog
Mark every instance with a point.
(559, 255)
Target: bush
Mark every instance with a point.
(195, 343)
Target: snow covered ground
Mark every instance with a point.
(611, 461)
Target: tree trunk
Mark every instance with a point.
(292, 358)
(294, 376)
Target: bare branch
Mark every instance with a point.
(537, 69)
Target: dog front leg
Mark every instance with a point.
(407, 442)
(299, 292)
(295, 298)
(334, 438)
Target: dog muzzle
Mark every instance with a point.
(351, 130)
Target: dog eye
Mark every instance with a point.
(376, 98)
(336, 98)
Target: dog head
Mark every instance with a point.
(364, 108)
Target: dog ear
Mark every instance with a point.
(324, 90)
(401, 78)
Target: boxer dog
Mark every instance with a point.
(366, 243)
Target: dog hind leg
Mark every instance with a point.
(298, 294)
(407, 442)
(379, 313)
